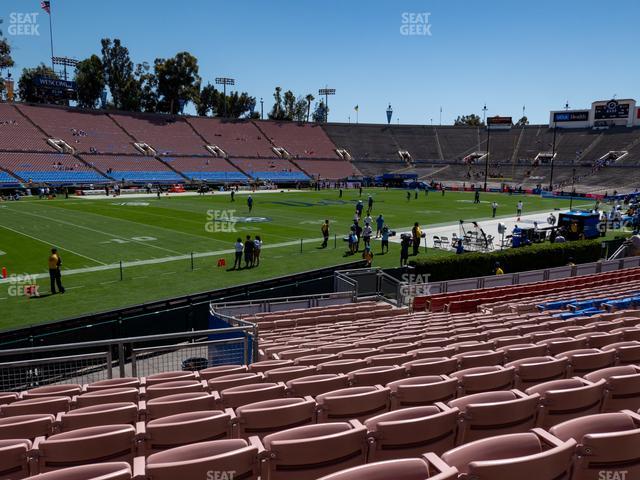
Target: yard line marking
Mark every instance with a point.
(116, 266)
(138, 278)
(111, 281)
(64, 222)
(50, 243)
(77, 286)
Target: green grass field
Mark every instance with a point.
(155, 237)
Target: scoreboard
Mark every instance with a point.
(611, 109)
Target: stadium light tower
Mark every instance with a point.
(326, 92)
(484, 113)
(65, 62)
(486, 162)
(224, 81)
(553, 153)
(261, 108)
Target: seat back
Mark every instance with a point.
(97, 471)
(422, 390)
(354, 402)
(263, 418)
(409, 432)
(87, 445)
(13, 458)
(309, 452)
(108, 395)
(185, 428)
(50, 405)
(488, 414)
(314, 385)
(199, 460)
(179, 403)
(26, 426)
(124, 413)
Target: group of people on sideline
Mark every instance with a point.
(250, 249)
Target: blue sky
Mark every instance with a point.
(509, 54)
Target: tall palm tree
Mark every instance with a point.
(309, 98)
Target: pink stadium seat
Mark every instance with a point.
(173, 387)
(169, 377)
(562, 400)
(284, 374)
(97, 471)
(26, 426)
(626, 352)
(314, 385)
(622, 390)
(422, 390)
(488, 414)
(388, 359)
(266, 365)
(125, 413)
(352, 403)
(270, 416)
(534, 370)
(380, 375)
(8, 397)
(309, 452)
(234, 380)
(608, 443)
(50, 405)
(523, 350)
(220, 370)
(85, 446)
(68, 390)
(179, 403)
(108, 395)
(14, 463)
(341, 366)
(427, 467)
(431, 366)
(409, 432)
(244, 394)
(479, 358)
(237, 458)
(484, 379)
(587, 360)
(534, 455)
(186, 428)
(125, 382)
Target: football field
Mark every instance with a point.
(171, 246)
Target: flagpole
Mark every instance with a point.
(51, 37)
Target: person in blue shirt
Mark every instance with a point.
(379, 225)
(385, 239)
(459, 247)
(250, 203)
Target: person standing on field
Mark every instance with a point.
(519, 209)
(249, 248)
(325, 233)
(239, 247)
(257, 248)
(494, 208)
(416, 234)
(54, 271)
(250, 203)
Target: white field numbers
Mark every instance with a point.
(120, 241)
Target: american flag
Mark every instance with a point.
(46, 6)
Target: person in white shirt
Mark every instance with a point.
(367, 231)
(494, 208)
(519, 208)
(257, 247)
(239, 247)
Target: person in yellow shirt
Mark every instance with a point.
(54, 271)
(499, 270)
(416, 233)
